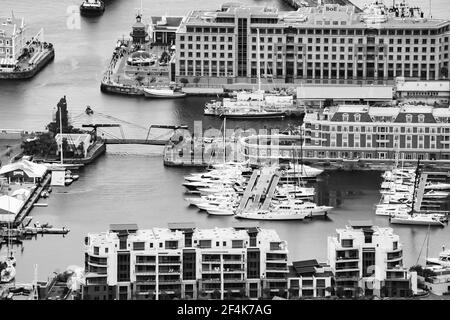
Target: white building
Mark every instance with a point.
(439, 284)
(12, 34)
(369, 259)
(182, 261)
(77, 142)
(429, 92)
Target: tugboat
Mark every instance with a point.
(92, 8)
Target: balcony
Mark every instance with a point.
(346, 278)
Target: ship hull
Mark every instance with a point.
(27, 74)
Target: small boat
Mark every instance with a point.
(75, 177)
(436, 194)
(163, 93)
(8, 274)
(437, 186)
(221, 211)
(68, 181)
(92, 8)
(388, 209)
(40, 205)
(269, 215)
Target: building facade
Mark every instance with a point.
(185, 262)
(324, 44)
(430, 92)
(12, 35)
(368, 260)
(361, 136)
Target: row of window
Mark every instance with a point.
(380, 129)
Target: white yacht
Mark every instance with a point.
(287, 190)
(437, 186)
(222, 210)
(297, 210)
(388, 209)
(442, 260)
(426, 219)
(163, 93)
(300, 171)
(211, 198)
(433, 194)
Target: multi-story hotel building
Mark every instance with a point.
(361, 136)
(328, 43)
(369, 259)
(183, 261)
(12, 35)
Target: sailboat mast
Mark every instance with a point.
(60, 132)
(224, 138)
(258, 68)
(415, 186)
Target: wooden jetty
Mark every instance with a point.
(260, 189)
(34, 197)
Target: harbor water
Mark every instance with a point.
(130, 184)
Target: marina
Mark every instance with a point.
(264, 166)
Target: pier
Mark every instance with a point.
(34, 197)
(260, 190)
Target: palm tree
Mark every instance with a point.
(266, 293)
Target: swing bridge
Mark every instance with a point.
(116, 131)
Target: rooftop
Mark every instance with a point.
(11, 26)
(329, 15)
(423, 86)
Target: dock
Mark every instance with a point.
(260, 190)
(34, 197)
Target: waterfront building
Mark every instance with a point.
(439, 283)
(77, 143)
(139, 32)
(309, 279)
(429, 92)
(368, 260)
(324, 44)
(12, 35)
(163, 29)
(23, 171)
(183, 261)
(9, 209)
(362, 136)
(318, 95)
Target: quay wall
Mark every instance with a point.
(26, 74)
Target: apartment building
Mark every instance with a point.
(185, 262)
(309, 279)
(368, 260)
(324, 44)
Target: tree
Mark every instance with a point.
(216, 294)
(282, 293)
(328, 103)
(417, 268)
(266, 293)
(184, 81)
(242, 293)
(339, 292)
(292, 293)
(196, 80)
(330, 290)
(229, 294)
(444, 72)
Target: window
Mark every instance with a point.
(421, 118)
(345, 117)
(409, 118)
(357, 117)
(139, 245)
